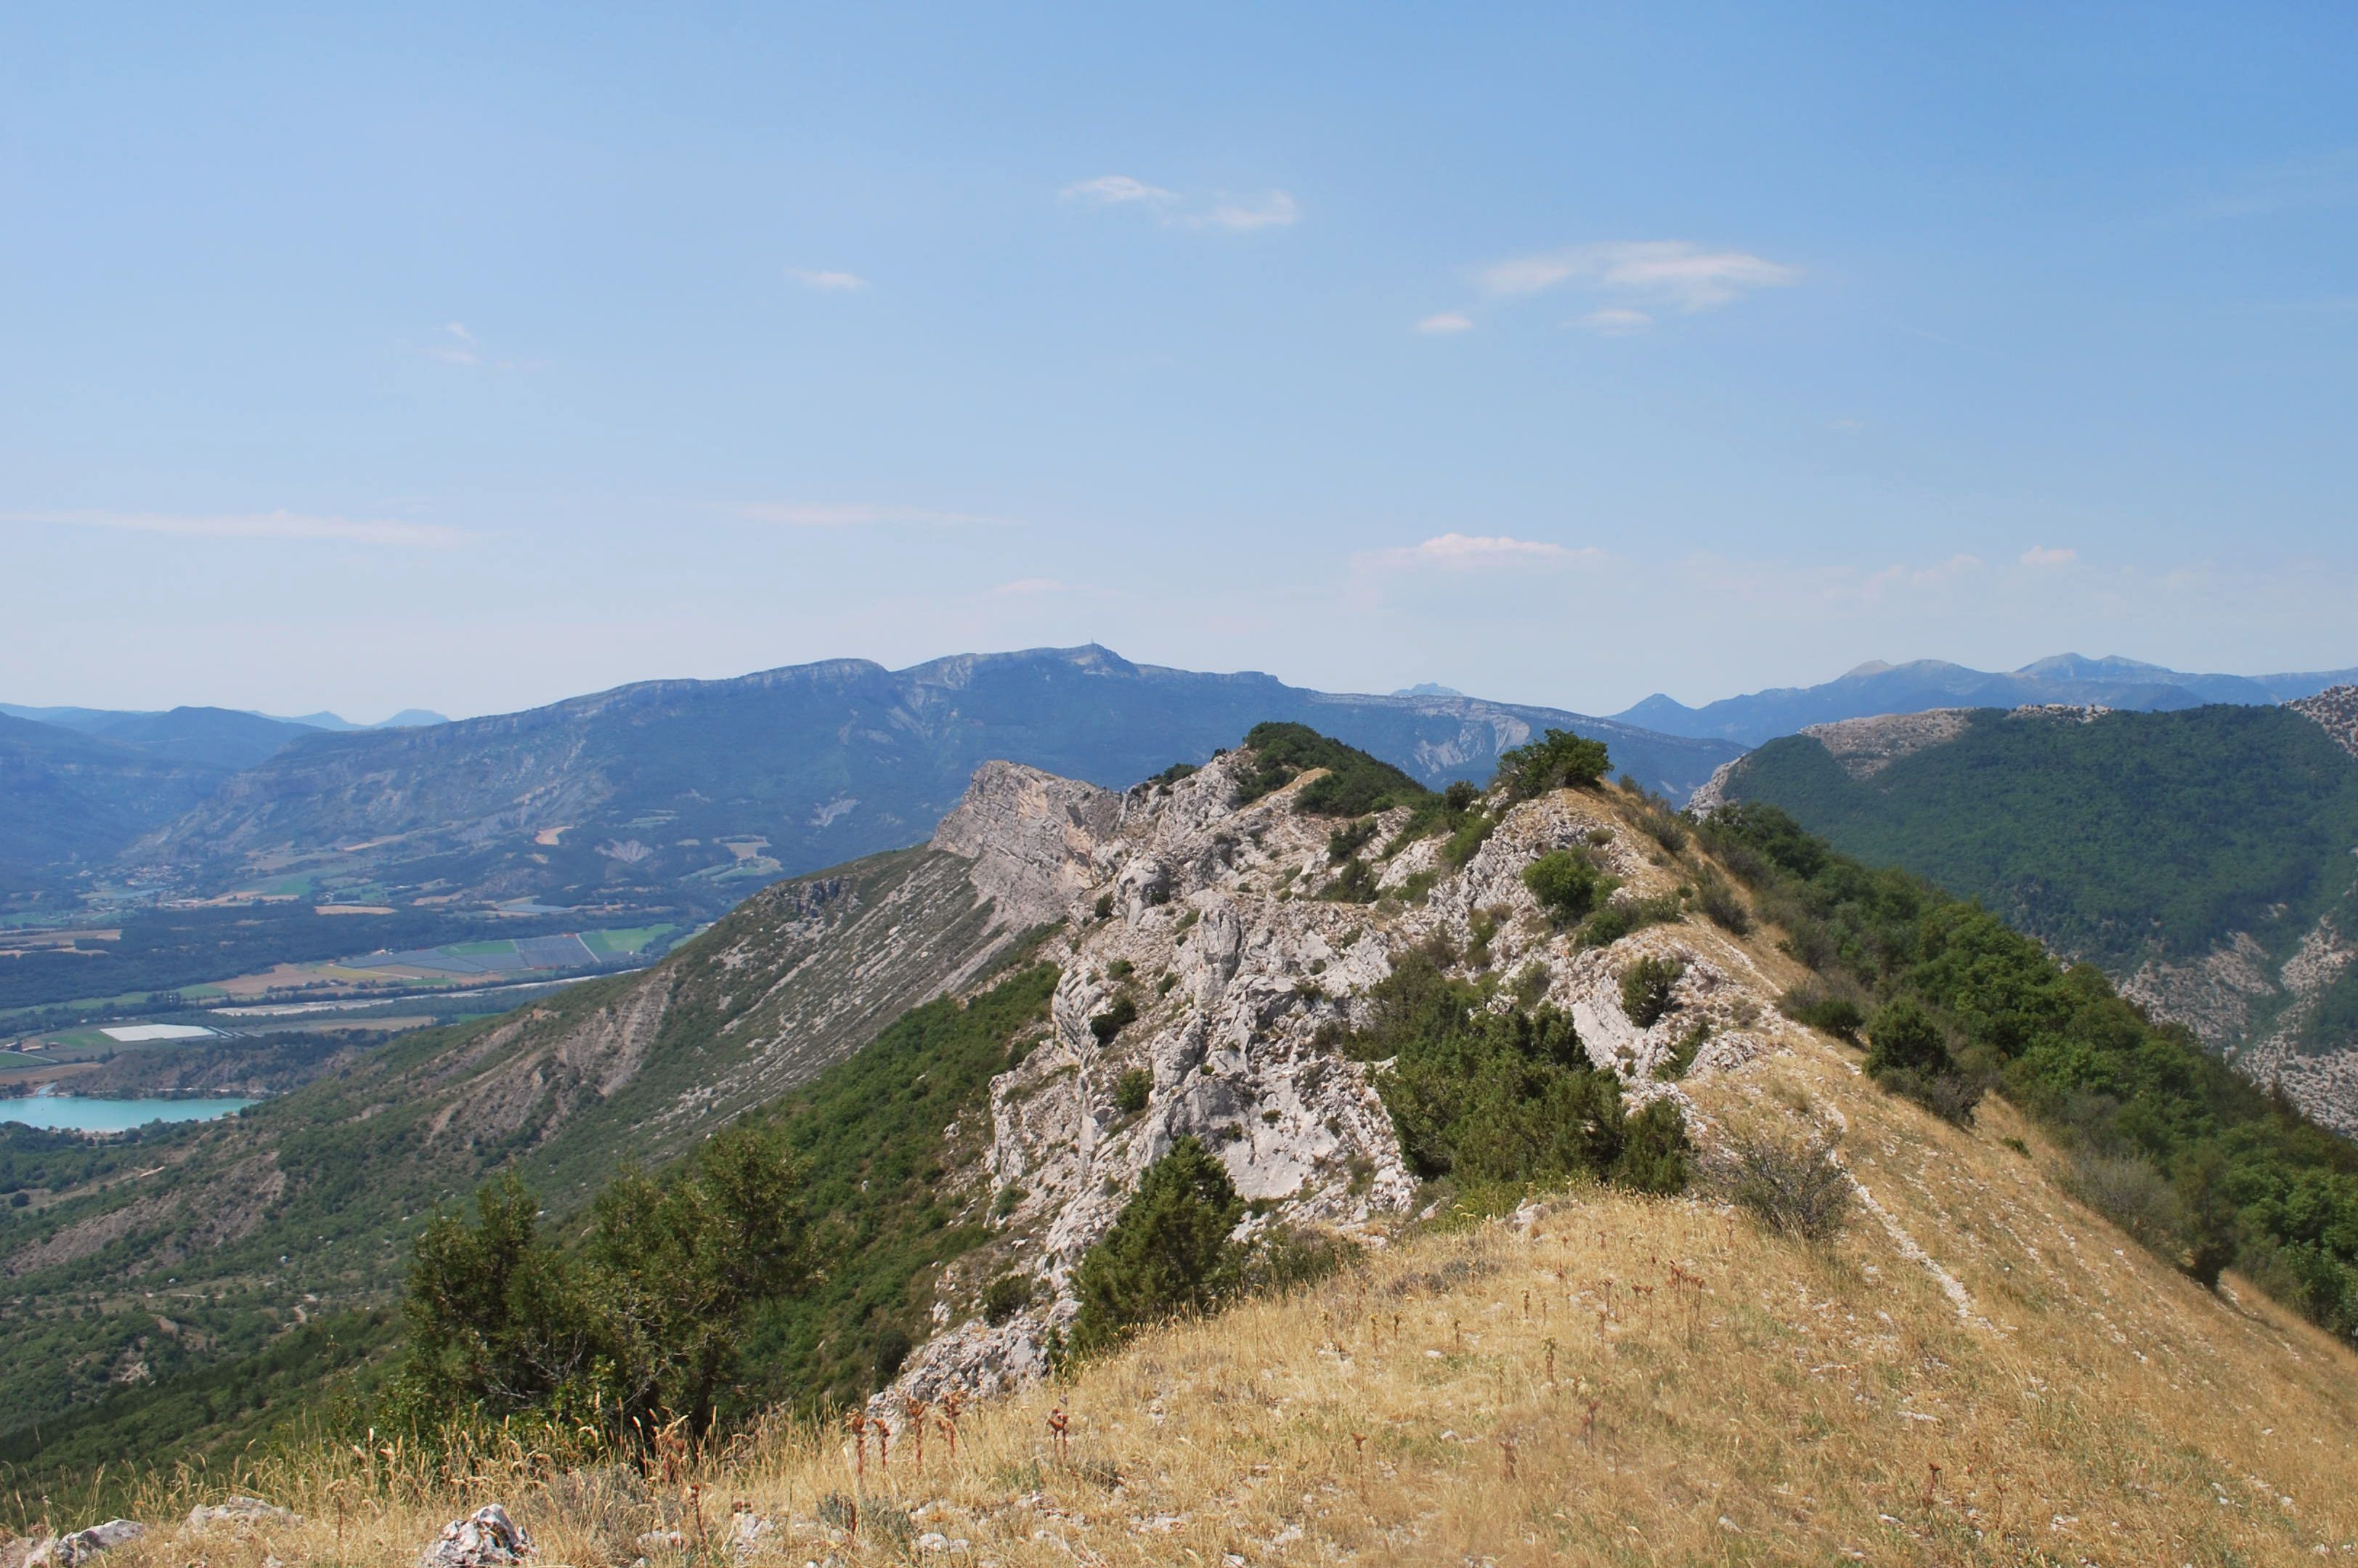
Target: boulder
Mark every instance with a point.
(240, 1510)
(65, 1551)
(484, 1538)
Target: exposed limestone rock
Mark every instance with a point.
(2336, 709)
(66, 1551)
(240, 1510)
(1030, 836)
(1238, 981)
(1865, 747)
(484, 1538)
(2214, 995)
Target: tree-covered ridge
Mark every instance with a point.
(1355, 782)
(2180, 1150)
(2127, 836)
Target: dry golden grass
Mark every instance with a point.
(1628, 1380)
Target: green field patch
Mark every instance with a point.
(623, 941)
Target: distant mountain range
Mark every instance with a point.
(683, 797)
(210, 737)
(1925, 683)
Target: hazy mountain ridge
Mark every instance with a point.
(1877, 687)
(683, 795)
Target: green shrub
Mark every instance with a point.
(1460, 797)
(1902, 1034)
(1675, 1065)
(1655, 1151)
(1349, 839)
(1004, 1297)
(1120, 969)
(641, 1324)
(1558, 758)
(1355, 784)
(1105, 906)
(1129, 1091)
(1490, 1097)
(1114, 1020)
(1355, 883)
(1615, 920)
(1466, 840)
(1646, 987)
(1168, 1253)
(1837, 1015)
(1795, 1189)
(1720, 902)
(1567, 884)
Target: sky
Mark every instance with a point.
(472, 357)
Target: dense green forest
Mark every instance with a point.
(2131, 834)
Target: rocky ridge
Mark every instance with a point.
(1204, 917)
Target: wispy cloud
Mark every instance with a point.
(256, 525)
(1443, 323)
(1118, 190)
(1615, 321)
(455, 345)
(2040, 555)
(855, 515)
(1673, 274)
(1465, 552)
(1027, 588)
(1631, 282)
(1273, 209)
(827, 282)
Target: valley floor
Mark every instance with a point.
(1978, 1370)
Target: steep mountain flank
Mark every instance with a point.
(684, 795)
(68, 803)
(2203, 859)
(301, 1206)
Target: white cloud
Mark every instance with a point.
(1119, 189)
(1445, 322)
(2040, 555)
(455, 345)
(826, 282)
(1615, 321)
(1461, 552)
(256, 525)
(1274, 209)
(855, 515)
(1670, 273)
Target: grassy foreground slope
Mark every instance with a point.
(1979, 1370)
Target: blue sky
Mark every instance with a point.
(478, 356)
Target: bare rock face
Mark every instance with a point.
(1031, 836)
(1865, 747)
(1200, 961)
